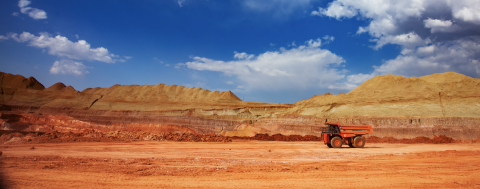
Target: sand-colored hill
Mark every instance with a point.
(445, 103)
(157, 97)
(9, 83)
(18, 90)
(440, 95)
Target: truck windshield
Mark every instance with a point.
(333, 129)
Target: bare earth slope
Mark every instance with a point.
(440, 95)
(439, 104)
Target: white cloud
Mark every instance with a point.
(466, 10)
(15, 13)
(62, 47)
(23, 3)
(313, 43)
(76, 35)
(242, 55)
(301, 68)
(359, 78)
(409, 40)
(460, 56)
(230, 82)
(337, 10)
(343, 86)
(272, 44)
(427, 50)
(435, 35)
(440, 25)
(32, 12)
(432, 23)
(127, 57)
(180, 2)
(388, 19)
(68, 67)
(328, 39)
(2, 37)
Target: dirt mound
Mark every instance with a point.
(442, 139)
(17, 91)
(114, 136)
(11, 138)
(159, 94)
(398, 85)
(280, 137)
(438, 95)
(228, 96)
(56, 87)
(10, 83)
(13, 82)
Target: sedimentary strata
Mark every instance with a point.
(439, 104)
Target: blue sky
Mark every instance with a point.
(266, 51)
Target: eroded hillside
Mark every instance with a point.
(446, 103)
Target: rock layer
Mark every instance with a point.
(439, 104)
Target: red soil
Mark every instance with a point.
(11, 137)
(441, 139)
(115, 136)
(246, 164)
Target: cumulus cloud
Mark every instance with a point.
(2, 37)
(466, 10)
(408, 40)
(62, 47)
(337, 10)
(440, 25)
(243, 55)
(32, 12)
(300, 67)
(425, 18)
(68, 67)
(435, 35)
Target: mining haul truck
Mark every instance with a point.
(335, 135)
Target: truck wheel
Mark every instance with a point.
(359, 142)
(350, 143)
(336, 142)
(329, 145)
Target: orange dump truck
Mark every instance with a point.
(335, 135)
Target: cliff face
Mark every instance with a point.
(447, 103)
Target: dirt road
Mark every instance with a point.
(239, 164)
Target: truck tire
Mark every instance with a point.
(359, 142)
(329, 145)
(350, 143)
(336, 142)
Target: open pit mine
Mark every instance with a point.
(439, 104)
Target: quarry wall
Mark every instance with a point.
(382, 102)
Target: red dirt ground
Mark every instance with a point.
(14, 137)
(243, 164)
